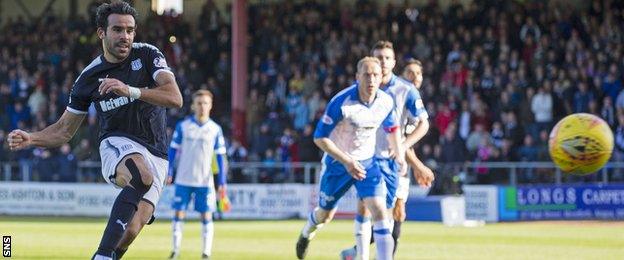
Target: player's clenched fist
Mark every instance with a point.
(424, 175)
(18, 139)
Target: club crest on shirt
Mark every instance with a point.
(327, 120)
(136, 64)
(160, 62)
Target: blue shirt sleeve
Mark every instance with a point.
(329, 120)
(390, 123)
(414, 104)
(176, 140)
(171, 156)
(222, 172)
(219, 147)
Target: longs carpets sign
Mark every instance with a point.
(562, 202)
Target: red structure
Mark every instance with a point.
(239, 69)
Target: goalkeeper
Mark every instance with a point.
(195, 140)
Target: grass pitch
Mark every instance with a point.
(77, 238)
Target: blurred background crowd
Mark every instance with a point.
(497, 74)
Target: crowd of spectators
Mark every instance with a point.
(497, 74)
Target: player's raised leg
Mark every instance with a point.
(316, 220)
(335, 182)
(134, 176)
(142, 217)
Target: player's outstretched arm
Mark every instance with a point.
(422, 127)
(354, 168)
(166, 93)
(423, 175)
(52, 136)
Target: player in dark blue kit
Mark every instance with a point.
(130, 85)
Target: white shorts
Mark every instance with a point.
(403, 188)
(113, 149)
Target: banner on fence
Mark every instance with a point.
(31, 198)
(481, 202)
(249, 201)
(550, 202)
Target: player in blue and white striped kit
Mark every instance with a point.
(347, 134)
(411, 112)
(195, 140)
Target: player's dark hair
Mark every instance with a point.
(382, 45)
(116, 7)
(411, 61)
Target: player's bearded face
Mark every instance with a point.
(119, 36)
(414, 74)
(386, 56)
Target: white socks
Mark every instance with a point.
(362, 236)
(310, 227)
(382, 231)
(207, 235)
(177, 233)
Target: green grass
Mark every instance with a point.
(77, 238)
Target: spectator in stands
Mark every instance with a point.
(18, 113)
(236, 152)
(528, 152)
(4, 147)
(66, 164)
(582, 98)
(619, 102)
(607, 112)
(464, 120)
(542, 107)
(452, 147)
(307, 149)
(500, 59)
(497, 134)
(618, 150)
(612, 84)
(512, 129)
(261, 142)
(444, 117)
(476, 138)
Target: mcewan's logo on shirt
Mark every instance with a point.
(114, 103)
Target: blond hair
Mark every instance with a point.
(360, 63)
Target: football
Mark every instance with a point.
(580, 144)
